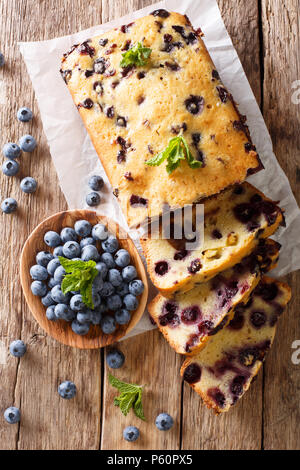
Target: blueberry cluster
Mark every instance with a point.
(115, 290)
(96, 183)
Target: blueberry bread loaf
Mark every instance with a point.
(234, 221)
(150, 86)
(189, 319)
(222, 372)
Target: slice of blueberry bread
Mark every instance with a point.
(189, 319)
(222, 372)
(148, 86)
(234, 221)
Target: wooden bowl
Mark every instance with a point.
(61, 330)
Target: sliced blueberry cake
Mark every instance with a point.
(189, 319)
(234, 222)
(222, 372)
(150, 87)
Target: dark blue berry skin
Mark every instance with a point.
(68, 234)
(97, 284)
(130, 302)
(131, 433)
(11, 150)
(115, 359)
(87, 241)
(59, 274)
(122, 258)
(110, 245)
(71, 250)
(114, 302)
(90, 252)
(76, 303)
(12, 415)
(96, 299)
(24, 114)
(52, 282)
(83, 228)
(52, 239)
(102, 269)
(67, 390)
(123, 289)
(28, 185)
(38, 273)
(2, 60)
(17, 348)
(84, 317)
(93, 199)
(107, 289)
(115, 278)
(122, 316)
(52, 266)
(96, 315)
(38, 288)
(47, 300)
(164, 422)
(58, 251)
(108, 259)
(99, 232)
(129, 273)
(10, 167)
(136, 287)
(27, 143)
(80, 329)
(96, 182)
(108, 325)
(58, 296)
(63, 312)
(9, 205)
(43, 258)
(50, 313)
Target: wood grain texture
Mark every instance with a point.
(281, 46)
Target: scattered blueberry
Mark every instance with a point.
(106, 290)
(52, 266)
(50, 313)
(28, 185)
(99, 232)
(59, 274)
(17, 348)
(102, 269)
(47, 300)
(71, 250)
(43, 258)
(108, 325)
(52, 239)
(9, 205)
(115, 278)
(130, 302)
(63, 312)
(27, 143)
(129, 273)
(2, 60)
(115, 359)
(114, 302)
(122, 316)
(80, 329)
(38, 288)
(96, 182)
(58, 251)
(38, 273)
(68, 235)
(58, 296)
(136, 287)
(87, 241)
(12, 415)
(83, 228)
(108, 259)
(110, 245)
(90, 252)
(11, 150)
(76, 303)
(164, 422)
(122, 258)
(131, 433)
(67, 390)
(93, 199)
(10, 167)
(24, 114)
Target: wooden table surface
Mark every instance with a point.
(266, 35)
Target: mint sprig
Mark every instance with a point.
(130, 397)
(137, 55)
(176, 151)
(80, 276)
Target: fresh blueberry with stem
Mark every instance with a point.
(67, 390)
(63, 312)
(110, 245)
(52, 266)
(2, 60)
(27, 143)
(47, 300)
(38, 288)
(131, 302)
(58, 296)
(68, 234)
(10, 168)
(50, 313)
(90, 252)
(17, 348)
(114, 277)
(122, 258)
(83, 228)
(114, 302)
(24, 114)
(122, 316)
(38, 273)
(80, 329)
(9, 205)
(11, 150)
(99, 232)
(108, 325)
(52, 239)
(93, 199)
(71, 250)
(136, 287)
(108, 259)
(76, 303)
(28, 185)
(12, 415)
(131, 433)
(96, 182)
(43, 258)
(129, 273)
(107, 289)
(115, 359)
(59, 274)
(164, 422)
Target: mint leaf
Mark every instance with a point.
(137, 55)
(176, 151)
(130, 397)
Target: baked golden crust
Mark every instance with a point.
(132, 114)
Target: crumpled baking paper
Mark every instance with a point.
(74, 156)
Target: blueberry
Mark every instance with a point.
(9, 205)
(122, 258)
(90, 252)
(47, 300)
(136, 287)
(58, 296)
(43, 258)
(97, 284)
(63, 312)
(68, 235)
(108, 259)
(27, 143)
(122, 316)
(110, 245)
(84, 317)
(114, 302)
(59, 274)
(108, 325)
(52, 282)
(131, 302)
(12, 415)
(76, 303)
(17, 348)
(122, 289)
(96, 315)
(38, 273)
(80, 329)
(114, 277)
(83, 228)
(99, 232)
(28, 185)
(71, 250)
(24, 114)
(38, 288)
(11, 150)
(67, 390)
(102, 269)
(115, 359)
(50, 313)
(93, 199)
(10, 167)
(96, 182)
(96, 299)
(2, 60)
(87, 241)
(58, 251)
(52, 239)
(129, 273)
(106, 290)
(131, 433)
(164, 422)
(52, 266)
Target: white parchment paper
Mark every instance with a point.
(74, 156)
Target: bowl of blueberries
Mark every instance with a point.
(83, 279)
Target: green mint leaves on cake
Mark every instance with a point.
(138, 55)
(130, 397)
(176, 151)
(80, 276)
